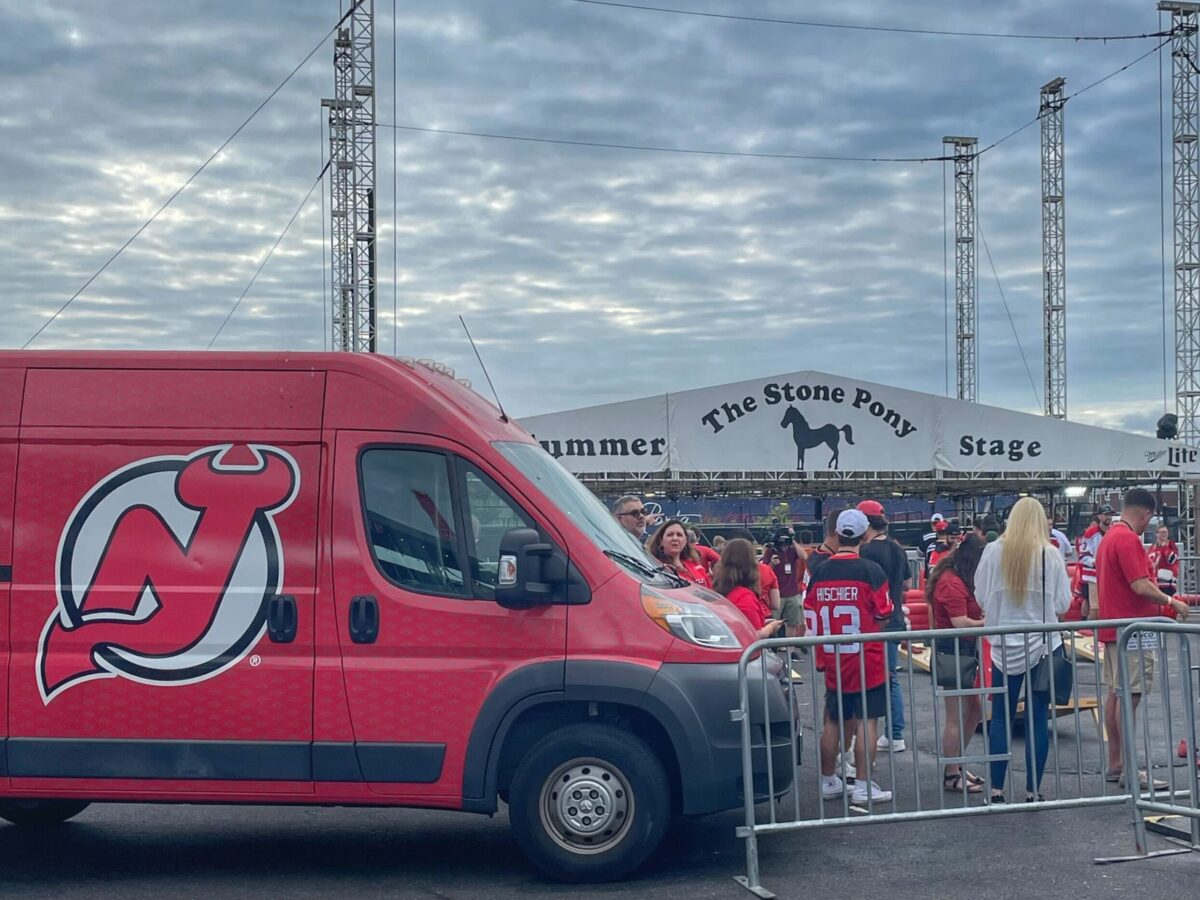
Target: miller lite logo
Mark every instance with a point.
(165, 568)
(1177, 457)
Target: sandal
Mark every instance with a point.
(955, 783)
(973, 778)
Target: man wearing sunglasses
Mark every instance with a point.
(632, 515)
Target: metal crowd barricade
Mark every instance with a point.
(1076, 773)
(1172, 799)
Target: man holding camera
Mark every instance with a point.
(787, 560)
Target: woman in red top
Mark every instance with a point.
(671, 547)
(737, 578)
(950, 591)
(1164, 561)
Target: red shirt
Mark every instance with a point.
(849, 595)
(952, 598)
(749, 605)
(790, 582)
(708, 556)
(1165, 559)
(936, 556)
(694, 572)
(1120, 561)
(766, 581)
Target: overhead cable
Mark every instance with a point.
(204, 165)
(659, 149)
(266, 259)
(698, 151)
(891, 29)
(1037, 397)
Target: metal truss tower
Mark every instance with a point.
(966, 311)
(1185, 119)
(1054, 249)
(352, 183)
(1185, 128)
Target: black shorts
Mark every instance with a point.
(852, 701)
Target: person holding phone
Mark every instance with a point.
(737, 577)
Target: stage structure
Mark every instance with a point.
(352, 196)
(813, 433)
(1185, 155)
(1054, 249)
(966, 258)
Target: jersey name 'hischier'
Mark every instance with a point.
(849, 595)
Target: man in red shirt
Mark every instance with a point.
(849, 595)
(1127, 590)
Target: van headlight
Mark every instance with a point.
(694, 622)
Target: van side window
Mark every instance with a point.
(491, 512)
(409, 510)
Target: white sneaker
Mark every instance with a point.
(832, 787)
(878, 794)
(846, 766)
(896, 745)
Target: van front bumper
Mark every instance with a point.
(696, 702)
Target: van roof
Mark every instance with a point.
(456, 400)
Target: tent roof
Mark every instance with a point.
(812, 432)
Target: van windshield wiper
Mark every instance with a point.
(645, 568)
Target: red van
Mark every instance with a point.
(342, 579)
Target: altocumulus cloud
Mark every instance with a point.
(589, 275)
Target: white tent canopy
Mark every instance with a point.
(821, 429)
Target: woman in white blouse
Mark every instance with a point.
(1021, 580)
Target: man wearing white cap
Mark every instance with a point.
(848, 595)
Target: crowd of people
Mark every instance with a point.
(993, 574)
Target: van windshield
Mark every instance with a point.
(583, 508)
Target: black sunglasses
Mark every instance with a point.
(633, 512)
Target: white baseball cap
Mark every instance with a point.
(937, 517)
(851, 523)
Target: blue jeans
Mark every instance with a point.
(897, 721)
(1036, 718)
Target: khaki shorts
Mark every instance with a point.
(791, 610)
(1141, 678)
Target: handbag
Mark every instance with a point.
(952, 672)
(1056, 663)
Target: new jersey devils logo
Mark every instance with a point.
(165, 568)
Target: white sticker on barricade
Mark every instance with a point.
(1149, 640)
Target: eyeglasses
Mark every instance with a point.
(639, 513)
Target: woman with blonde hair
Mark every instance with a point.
(1021, 581)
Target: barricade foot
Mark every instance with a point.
(1109, 860)
(759, 891)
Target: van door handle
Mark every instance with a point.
(364, 619)
(282, 618)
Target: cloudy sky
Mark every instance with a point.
(589, 275)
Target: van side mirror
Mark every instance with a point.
(522, 580)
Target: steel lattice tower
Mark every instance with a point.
(966, 311)
(1054, 249)
(352, 182)
(1185, 126)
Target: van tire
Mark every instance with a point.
(41, 812)
(624, 803)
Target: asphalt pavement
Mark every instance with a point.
(133, 851)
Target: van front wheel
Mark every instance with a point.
(589, 803)
(40, 812)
